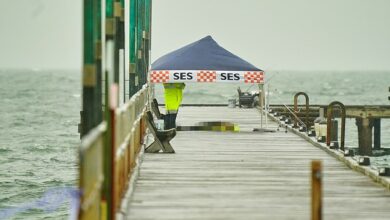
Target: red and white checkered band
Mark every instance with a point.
(159, 76)
(253, 77)
(206, 76)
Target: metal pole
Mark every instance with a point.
(261, 94)
(266, 108)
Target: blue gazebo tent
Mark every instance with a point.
(203, 61)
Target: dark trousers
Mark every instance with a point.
(170, 121)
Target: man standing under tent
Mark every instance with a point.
(173, 95)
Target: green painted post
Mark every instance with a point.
(133, 78)
(121, 44)
(140, 51)
(117, 38)
(98, 57)
(109, 9)
(148, 9)
(89, 69)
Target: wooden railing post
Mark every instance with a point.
(316, 190)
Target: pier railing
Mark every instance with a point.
(91, 172)
(129, 130)
(108, 155)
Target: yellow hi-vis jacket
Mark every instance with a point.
(173, 94)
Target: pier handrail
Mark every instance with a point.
(129, 126)
(329, 123)
(296, 107)
(91, 172)
(104, 179)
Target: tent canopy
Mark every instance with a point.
(203, 61)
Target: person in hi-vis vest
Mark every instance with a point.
(173, 94)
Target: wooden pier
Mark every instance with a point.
(246, 175)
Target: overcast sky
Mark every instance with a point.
(271, 34)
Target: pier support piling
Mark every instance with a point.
(377, 133)
(334, 134)
(365, 135)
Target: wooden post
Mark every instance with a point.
(377, 133)
(316, 190)
(365, 135)
(106, 197)
(113, 102)
(109, 31)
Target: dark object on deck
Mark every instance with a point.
(263, 130)
(302, 129)
(334, 145)
(364, 161)
(161, 138)
(210, 126)
(288, 121)
(246, 99)
(156, 110)
(384, 171)
(349, 153)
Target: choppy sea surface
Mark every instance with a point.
(40, 111)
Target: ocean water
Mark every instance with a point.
(40, 111)
(38, 140)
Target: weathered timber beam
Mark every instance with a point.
(352, 111)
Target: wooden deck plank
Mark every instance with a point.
(247, 175)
